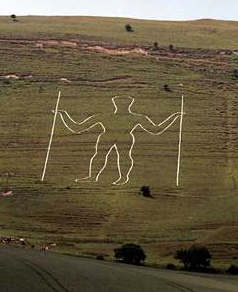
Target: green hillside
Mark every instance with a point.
(92, 60)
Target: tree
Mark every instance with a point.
(155, 46)
(182, 255)
(171, 48)
(130, 253)
(167, 88)
(195, 257)
(145, 190)
(128, 28)
(232, 270)
(13, 17)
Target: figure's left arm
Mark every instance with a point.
(148, 125)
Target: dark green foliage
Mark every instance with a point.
(13, 17)
(167, 88)
(155, 46)
(170, 266)
(194, 258)
(171, 48)
(100, 257)
(130, 253)
(128, 28)
(232, 270)
(145, 190)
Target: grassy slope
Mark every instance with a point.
(201, 33)
(97, 217)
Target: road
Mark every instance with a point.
(23, 270)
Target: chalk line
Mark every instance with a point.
(51, 137)
(126, 176)
(180, 141)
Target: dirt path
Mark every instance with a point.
(117, 51)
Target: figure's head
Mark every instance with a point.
(123, 103)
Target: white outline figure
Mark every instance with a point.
(133, 121)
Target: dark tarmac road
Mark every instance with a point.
(23, 270)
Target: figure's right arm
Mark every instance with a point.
(78, 127)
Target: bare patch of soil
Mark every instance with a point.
(117, 51)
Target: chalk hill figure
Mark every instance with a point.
(109, 138)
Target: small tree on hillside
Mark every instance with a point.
(171, 48)
(13, 17)
(232, 270)
(129, 28)
(155, 46)
(167, 88)
(145, 190)
(130, 253)
(194, 258)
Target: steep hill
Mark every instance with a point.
(91, 60)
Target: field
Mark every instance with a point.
(92, 60)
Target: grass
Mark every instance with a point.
(91, 218)
(210, 34)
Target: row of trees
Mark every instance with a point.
(193, 258)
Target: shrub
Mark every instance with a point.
(167, 88)
(171, 48)
(130, 253)
(128, 28)
(145, 190)
(194, 258)
(170, 266)
(13, 17)
(232, 270)
(155, 46)
(100, 257)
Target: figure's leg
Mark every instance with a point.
(125, 161)
(97, 163)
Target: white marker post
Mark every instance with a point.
(180, 142)
(51, 137)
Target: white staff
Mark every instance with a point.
(180, 141)
(51, 136)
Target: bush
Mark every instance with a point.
(128, 28)
(167, 88)
(171, 48)
(145, 190)
(130, 254)
(232, 270)
(170, 266)
(195, 257)
(100, 257)
(155, 46)
(13, 17)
